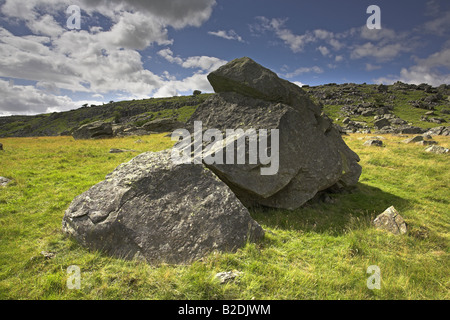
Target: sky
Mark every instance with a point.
(54, 58)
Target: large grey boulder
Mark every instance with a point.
(153, 209)
(312, 155)
(94, 130)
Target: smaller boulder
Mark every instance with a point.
(437, 150)
(413, 139)
(4, 181)
(426, 142)
(377, 143)
(391, 221)
(114, 150)
(225, 277)
(379, 124)
(1, 146)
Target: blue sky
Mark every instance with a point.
(134, 49)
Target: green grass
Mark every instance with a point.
(321, 251)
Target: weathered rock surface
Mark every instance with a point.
(94, 130)
(163, 125)
(376, 143)
(439, 131)
(312, 155)
(413, 139)
(437, 150)
(250, 79)
(153, 209)
(391, 221)
(4, 181)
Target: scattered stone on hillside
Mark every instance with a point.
(381, 123)
(391, 221)
(439, 131)
(382, 88)
(413, 139)
(94, 130)
(48, 255)
(445, 111)
(228, 276)
(429, 113)
(437, 149)
(312, 155)
(150, 208)
(397, 121)
(163, 125)
(407, 129)
(426, 142)
(376, 143)
(126, 131)
(114, 150)
(248, 78)
(1, 146)
(4, 181)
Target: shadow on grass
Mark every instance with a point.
(348, 212)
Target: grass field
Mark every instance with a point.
(321, 251)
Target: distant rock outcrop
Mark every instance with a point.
(94, 130)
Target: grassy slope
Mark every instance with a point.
(402, 108)
(56, 123)
(318, 252)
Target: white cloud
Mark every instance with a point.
(371, 67)
(295, 42)
(430, 70)
(300, 84)
(381, 53)
(18, 99)
(204, 63)
(96, 61)
(229, 35)
(299, 71)
(324, 51)
(438, 26)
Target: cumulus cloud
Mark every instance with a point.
(94, 60)
(203, 63)
(299, 71)
(434, 70)
(18, 99)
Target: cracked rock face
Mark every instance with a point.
(153, 209)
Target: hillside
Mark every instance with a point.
(355, 107)
(134, 112)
